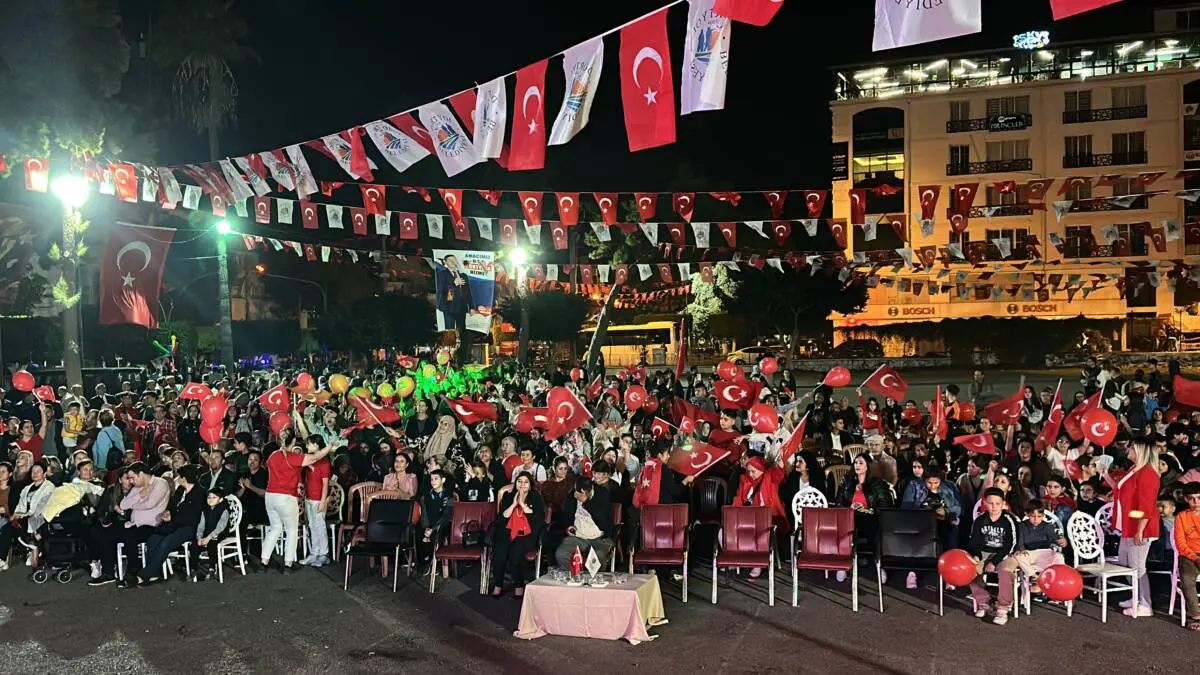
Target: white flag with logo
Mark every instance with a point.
(491, 113)
(484, 225)
(899, 23)
(191, 197)
(280, 170)
(453, 146)
(340, 148)
(333, 216)
(383, 223)
(581, 66)
(434, 222)
(283, 210)
(256, 181)
(702, 232)
(705, 59)
(237, 182)
(396, 147)
(305, 183)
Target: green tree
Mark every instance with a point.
(709, 300)
(390, 320)
(554, 316)
(796, 301)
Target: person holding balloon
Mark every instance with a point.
(1135, 516)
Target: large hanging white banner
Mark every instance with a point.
(900, 23)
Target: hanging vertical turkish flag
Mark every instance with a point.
(899, 225)
(837, 227)
(568, 207)
(464, 106)
(308, 215)
(558, 232)
(815, 201)
(262, 210)
(646, 203)
(492, 196)
(408, 124)
(664, 272)
(607, 201)
(676, 232)
(776, 200)
(462, 231)
(647, 88)
(1061, 9)
(929, 199)
(125, 182)
(131, 274)
(453, 199)
(622, 275)
(729, 231)
(37, 174)
(587, 274)
(359, 164)
(753, 12)
(781, 230)
(706, 272)
(527, 149)
(374, 198)
(508, 231)
(531, 204)
(685, 203)
(358, 220)
(408, 226)
(1036, 189)
(964, 197)
(858, 206)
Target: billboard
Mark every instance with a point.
(465, 285)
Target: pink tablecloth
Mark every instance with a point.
(610, 613)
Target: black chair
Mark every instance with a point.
(710, 494)
(907, 540)
(389, 531)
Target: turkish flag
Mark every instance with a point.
(739, 394)
(131, 274)
(886, 381)
(1073, 422)
(125, 181)
(508, 231)
(684, 203)
(471, 412)
(776, 200)
(453, 199)
(729, 231)
(622, 275)
(374, 198)
(664, 272)
(858, 206)
(929, 199)
(262, 210)
(408, 124)
(964, 197)
(607, 201)
(706, 272)
(681, 410)
(781, 230)
(1007, 411)
(408, 226)
(1054, 420)
(587, 274)
(559, 234)
(531, 205)
(568, 207)
(815, 201)
(647, 489)
(593, 390)
(982, 444)
(567, 412)
(1185, 391)
(308, 214)
(45, 393)
(195, 391)
(647, 87)
(753, 12)
(275, 399)
(647, 204)
(1061, 9)
(837, 227)
(527, 149)
(687, 425)
(694, 459)
(676, 232)
(462, 232)
(371, 414)
(660, 428)
(358, 220)
(792, 444)
(37, 174)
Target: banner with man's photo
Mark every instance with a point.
(465, 284)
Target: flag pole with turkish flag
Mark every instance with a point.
(131, 274)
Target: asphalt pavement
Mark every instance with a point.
(306, 623)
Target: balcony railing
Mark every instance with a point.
(1085, 250)
(994, 166)
(1104, 114)
(1013, 122)
(1109, 159)
(1001, 211)
(1092, 206)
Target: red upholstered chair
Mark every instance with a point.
(827, 545)
(666, 535)
(467, 515)
(746, 536)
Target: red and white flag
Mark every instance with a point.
(739, 394)
(647, 490)
(453, 199)
(531, 205)
(684, 203)
(1073, 422)
(195, 391)
(982, 444)
(1054, 421)
(607, 201)
(131, 274)
(1007, 411)
(660, 429)
(568, 207)
(308, 215)
(792, 445)
(527, 149)
(1061, 9)
(695, 459)
(647, 88)
(581, 67)
(567, 412)
(705, 59)
(899, 24)
(471, 412)
(753, 12)
(275, 399)
(814, 200)
(411, 128)
(451, 143)
(647, 203)
(125, 181)
(397, 148)
(45, 394)
(37, 174)
(886, 381)
(371, 414)
(343, 153)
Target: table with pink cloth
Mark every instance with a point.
(611, 612)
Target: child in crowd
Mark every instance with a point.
(1057, 501)
(214, 523)
(1187, 542)
(477, 487)
(1039, 547)
(1089, 500)
(994, 539)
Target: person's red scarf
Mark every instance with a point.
(764, 491)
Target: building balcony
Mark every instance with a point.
(1002, 211)
(1080, 249)
(993, 166)
(1092, 206)
(994, 123)
(1109, 159)
(1104, 114)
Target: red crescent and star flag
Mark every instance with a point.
(982, 444)
(471, 412)
(131, 274)
(886, 382)
(694, 459)
(1061, 9)
(753, 12)
(1054, 421)
(528, 139)
(275, 399)
(567, 412)
(1074, 421)
(647, 86)
(1007, 411)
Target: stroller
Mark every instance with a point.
(64, 545)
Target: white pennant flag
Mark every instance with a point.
(305, 183)
(534, 232)
(729, 265)
(581, 66)
(705, 59)
(810, 226)
(340, 148)
(353, 254)
(383, 223)
(191, 197)
(927, 227)
(149, 186)
(899, 23)
(280, 170)
(434, 222)
(454, 149)
(757, 226)
(485, 227)
(601, 232)
(396, 147)
(1004, 244)
(551, 272)
(1109, 233)
(283, 210)
(870, 230)
(491, 113)
(325, 251)
(776, 264)
(651, 232)
(1061, 208)
(643, 271)
(257, 182)
(237, 182)
(603, 270)
(170, 186)
(907, 255)
(239, 207)
(702, 232)
(276, 244)
(685, 271)
(1173, 229)
(333, 216)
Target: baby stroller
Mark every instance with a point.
(64, 545)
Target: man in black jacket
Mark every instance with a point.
(218, 475)
(179, 522)
(591, 526)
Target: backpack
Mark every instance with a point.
(116, 453)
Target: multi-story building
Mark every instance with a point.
(1108, 111)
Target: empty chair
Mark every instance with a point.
(907, 540)
(827, 544)
(468, 517)
(808, 497)
(665, 537)
(387, 533)
(709, 495)
(746, 536)
(1087, 545)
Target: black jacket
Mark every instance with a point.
(995, 540)
(599, 506)
(537, 519)
(186, 507)
(226, 480)
(878, 493)
(437, 510)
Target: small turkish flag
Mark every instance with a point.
(647, 87)
(646, 204)
(559, 234)
(781, 230)
(964, 197)
(739, 394)
(471, 412)
(706, 272)
(858, 206)
(462, 232)
(660, 429)
(195, 391)
(814, 200)
(374, 198)
(687, 425)
(587, 273)
(929, 199)
(684, 203)
(696, 458)
(753, 12)
(664, 272)
(607, 201)
(593, 390)
(676, 232)
(622, 275)
(262, 210)
(1006, 411)
(729, 231)
(776, 200)
(568, 207)
(453, 199)
(886, 381)
(837, 227)
(1073, 422)
(508, 231)
(308, 214)
(358, 220)
(275, 399)
(567, 413)
(125, 181)
(492, 196)
(531, 205)
(45, 393)
(982, 444)
(527, 149)
(793, 442)
(408, 226)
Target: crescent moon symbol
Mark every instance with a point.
(359, 219)
(532, 91)
(451, 199)
(685, 200)
(925, 194)
(643, 54)
(35, 164)
(647, 200)
(527, 205)
(138, 246)
(884, 380)
(773, 197)
(308, 212)
(261, 208)
(462, 412)
(566, 202)
(605, 203)
(407, 222)
(707, 460)
(570, 410)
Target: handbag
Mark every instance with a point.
(472, 534)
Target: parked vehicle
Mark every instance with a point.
(752, 355)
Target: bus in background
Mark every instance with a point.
(653, 343)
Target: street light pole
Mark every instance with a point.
(226, 318)
(72, 191)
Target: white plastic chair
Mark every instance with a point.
(806, 497)
(185, 553)
(231, 546)
(121, 558)
(1087, 544)
(333, 517)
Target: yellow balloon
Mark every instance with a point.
(405, 386)
(339, 384)
(385, 390)
(361, 392)
(429, 370)
(443, 357)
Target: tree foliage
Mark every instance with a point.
(709, 300)
(390, 320)
(796, 301)
(554, 315)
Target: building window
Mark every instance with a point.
(960, 238)
(960, 111)
(1129, 97)
(1078, 146)
(1077, 241)
(1075, 101)
(1015, 237)
(1008, 105)
(998, 198)
(878, 166)
(1002, 150)
(1082, 190)
(1129, 148)
(960, 157)
(1127, 186)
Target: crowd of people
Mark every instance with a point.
(131, 468)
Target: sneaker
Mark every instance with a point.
(1000, 619)
(1126, 604)
(307, 561)
(322, 561)
(29, 560)
(127, 584)
(981, 612)
(841, 576)
(911, 582)
(97, 572)
(1142, 610)
(102, 580)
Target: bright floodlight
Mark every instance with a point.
(223, 227)
(71, 190)
(518, 256)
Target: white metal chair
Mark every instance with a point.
(231, 546)
(1087, 544)
(1025, 582)
(185, 553)
(333, 514)
(121, 558)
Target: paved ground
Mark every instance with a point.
(305, 623)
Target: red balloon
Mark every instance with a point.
(279, 421)
(650, 406)
(622, 375)
(957, 567)
(764, 418)
(576, 374)
(635, 396)
(966, 412)
(837, 377)
(523, 422)
(212, 410)
(912, 416)
(1171, 416)
(768, 365)
(1061, 583)
(1099, 426)
(211, 435)
(728, 370)
(23, 381)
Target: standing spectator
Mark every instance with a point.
(282, 495)
(1135, 516)
(981, 391)
(109, 447)
(316, 501)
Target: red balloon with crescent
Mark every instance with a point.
(837, 377)
(1061, 583)
(635, 396)
(728, 370)
(764, 418)
(22, 380)
(1099, 426)
(768, 365)
(278, 422)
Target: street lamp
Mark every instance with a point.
(226, 319)
(519, 257)
(223, 227)
(72, 191)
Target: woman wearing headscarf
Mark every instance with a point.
(445, 444)
(1135, 516)
(759, 486)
